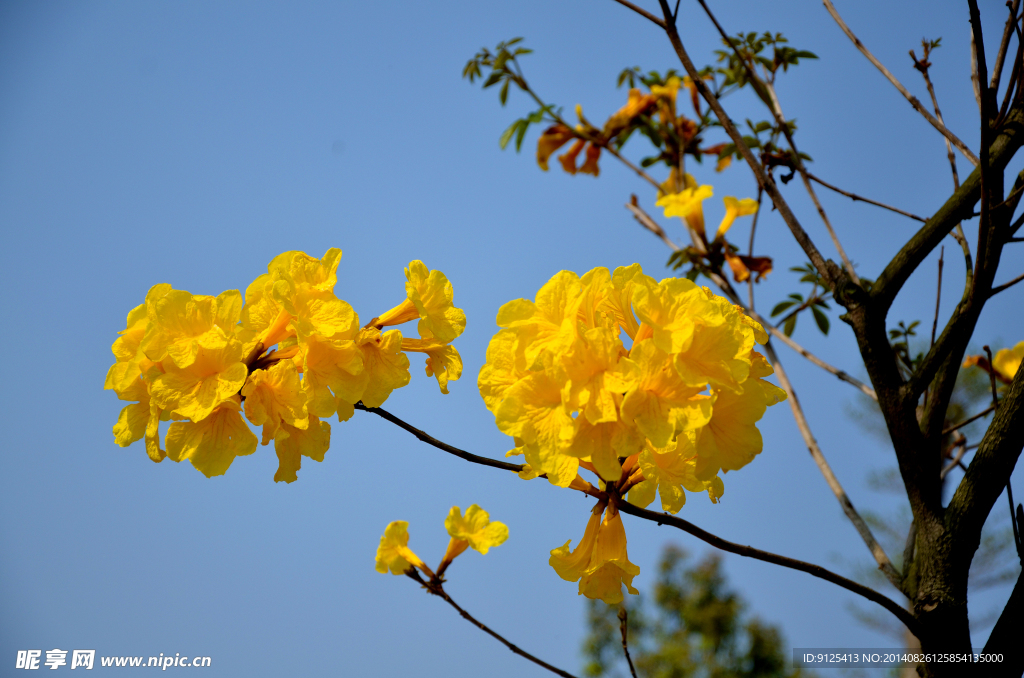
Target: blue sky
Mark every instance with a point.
(189, 143)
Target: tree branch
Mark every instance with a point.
(959, 207)
(435, 587)
(764, 180)
(1005, 636)
(988, 473)
(1004, 286)
(775, 559)
(780, 121)
(903, 90)
(642, 12)
(1004, 43)
(431, 440)
(855, 198)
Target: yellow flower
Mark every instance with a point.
(474, 529)
(506, 364)
(127, 349)
(600, 562)
(273, 398)
(291, 443)
(668, 472)
(731, 440)
(443, 361)
(387, 367)
(688, 204)
(550, 141)
(213, 375)
(296, 297)
(671, 309)
(428, 297)
(394, 554)
(1007, 361)
(332, 370)
(735, 208)
(662, 404)
(181, 324)
(213, 443)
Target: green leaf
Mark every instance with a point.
(789, 325)
(493, 79)
(503, 94)
(507, 134)
(821, 319)
(782, 306)
(523, 126)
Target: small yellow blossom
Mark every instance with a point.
(213, 443)
(394, 554)
(600, 562)
(1007, 361)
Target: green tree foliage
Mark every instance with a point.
(692, 626)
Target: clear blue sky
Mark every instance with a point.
(191, 142)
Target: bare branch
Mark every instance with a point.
(884, 564)
(855, 198)
(938, 296)
(642, 12)
(434, 587)
(1005, 286)
(650, 224)
(1004, 43)
(775, 559)
(840, 374)
(431, 440)
(967, 421)
(903, 90)
(624, 631)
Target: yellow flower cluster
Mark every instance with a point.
(659, 415)
(291, 355)
(681, 401)
(475, 530)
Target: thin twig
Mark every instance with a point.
(838, 373)
(431, 440)
(938, 296)
(965, 422)
(975, 77)
(642, 12)
(956, 461)
(765, 556)
(750, 248)
(884, 564)
(434, 587)
(764, 180)
(997, 290)
(650, 224)
(855, 198)
(903, 90)
(780, 121)
(1001, 54)
(623, 629)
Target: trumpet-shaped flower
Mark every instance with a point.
(181, 324)
(387, 367)
(731, 440)
(429, 298)
(443, 360)
(214, 375)
(273, 398)
(688, 204)
(600, 562)
(291, 443)
(662, 403)
(394, 554)
(550, 141)
(735, 208)
(213, 443)
(474, 529)
(333, 369)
